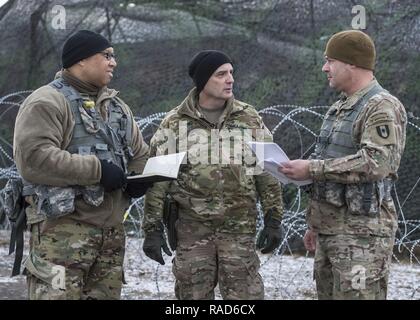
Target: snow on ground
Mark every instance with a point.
(285, 277)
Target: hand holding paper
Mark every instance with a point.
(295, 169)
(274, 160)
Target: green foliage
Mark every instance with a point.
(313, 84)
(259, 95)
(290, 195)
(6, 132)
(162, 105)
(412, 144)
(412, 92)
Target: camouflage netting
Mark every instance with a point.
(277, 45)
(277, 48)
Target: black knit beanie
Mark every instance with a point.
(82, 45)
(204, 64)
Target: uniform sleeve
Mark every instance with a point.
(270, 194)
(269, 188)
(382, 144)
(139, 147)
(155, 197)
(38, 145)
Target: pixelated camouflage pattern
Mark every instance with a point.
(205, 258)
(92, 194)
(55, 202)
(352, 267)
(378, 158)
(355, 199)
(11, 198)
(92, 259)
(221, 196)
(334, 193)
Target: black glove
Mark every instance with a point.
(136, 189)
(153, 243)
(170, 216)
(112, 177)
(270, 236)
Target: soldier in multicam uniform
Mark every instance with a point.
(351, 216)
(75, 141)
(216, 199)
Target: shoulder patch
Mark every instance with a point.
(383, 131)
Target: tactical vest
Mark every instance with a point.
(108, 140)
(336, 140)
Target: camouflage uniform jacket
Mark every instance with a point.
(221, 196)
(378, 157)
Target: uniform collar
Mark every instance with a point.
(190, 108)
(350, 101)
(101, 95)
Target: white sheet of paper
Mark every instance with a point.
(270, 157)
(167, 165)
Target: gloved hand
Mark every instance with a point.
(112, 177)
(153, 243)
(136, 189)
(270, 236)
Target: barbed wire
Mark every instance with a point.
(293, 224)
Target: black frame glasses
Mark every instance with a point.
(108, 55)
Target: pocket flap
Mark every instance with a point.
(46, 271)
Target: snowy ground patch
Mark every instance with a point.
(285, 277)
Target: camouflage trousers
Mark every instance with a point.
(72, 261)
(352, 267)
(205, 258)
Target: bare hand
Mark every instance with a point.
(309, 240)
(296, 169)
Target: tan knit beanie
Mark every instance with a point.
(353, 47)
